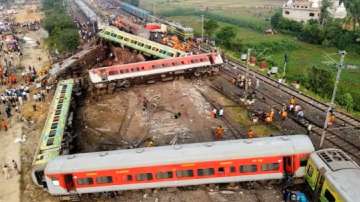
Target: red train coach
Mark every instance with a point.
(207, 62)
(179, 165)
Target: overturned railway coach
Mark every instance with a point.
(55, 137)
(125, 74)
(179, 165)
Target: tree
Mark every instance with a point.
(210, 26)
(353, 9)
(226, 36)
(324, 11)
(312, 32)
(275, 20)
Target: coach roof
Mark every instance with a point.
(187, 153)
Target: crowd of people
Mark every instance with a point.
(86, 30)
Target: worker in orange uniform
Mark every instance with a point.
(283, 112)
(5, 125)
(250, 133)
(331, 118)
(219, 132)
(270, 116)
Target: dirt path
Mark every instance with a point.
(10, 188)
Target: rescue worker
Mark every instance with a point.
(219, 132)
(5, 125)
(250, 133)
(283, 112)
(270, 116)
(292, 101)
(331, 118)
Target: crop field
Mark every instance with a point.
(254, 12)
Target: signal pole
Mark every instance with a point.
(340, 67)
(202, 28)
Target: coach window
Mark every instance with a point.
(329, 197)
(206, 172)
(270, 167)
(184, 173)
(144, 176)
(164, 175)
(137, 69)
(120, 37)
(232, 169)
(104, 180)
(310, 171)
(221, 170)
(248, 168)
(303, 162)
(129, 178)
(121, 71)
(85, 181)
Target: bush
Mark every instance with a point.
(321, 81)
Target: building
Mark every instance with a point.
(304, 10)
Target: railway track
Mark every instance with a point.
(334, 137)
(293, 92)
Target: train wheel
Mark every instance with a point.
(124, 84)
(197, 73)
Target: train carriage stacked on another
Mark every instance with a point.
(182, 32)
(332, 176)
(53, 141)
(138, 43)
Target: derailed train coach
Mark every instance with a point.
(179, 165)
(127, 74)
(332, 176)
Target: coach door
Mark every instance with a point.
(69, 182)
(288, 165)
(319, 184)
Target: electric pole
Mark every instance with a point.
(286, 59)
(247, 70)
(202, 28)
(340, 67)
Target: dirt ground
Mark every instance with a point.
(28, 14)
(120, 120)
